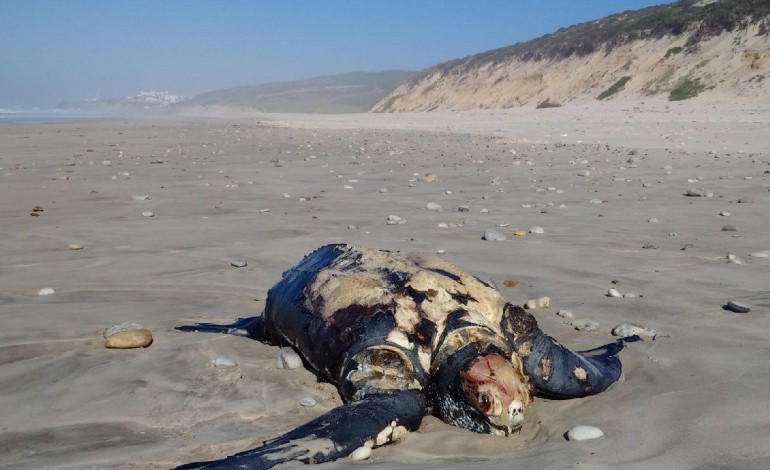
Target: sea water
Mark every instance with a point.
(26, 116)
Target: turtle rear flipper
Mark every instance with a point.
(372, 421)
(251, 327)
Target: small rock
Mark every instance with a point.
(694, 193)
(585, 324)
(744, 200)
(223, 361)
(127, 336)
(362, 453)
(582, 433)
(614, 293)
(464, 208)
(430, 178)
(630, 295)
(395, 220)
(649, 246)
(308, 402)
(38, 209)
(440, 252)
(737, 307)
(652, 220)
(491, 234)
(147, 214)
(566, 314)
(625, 330)
(383, 190)
(595, 201)
(520, 233)
(287, 359)
(352, 227)
(46, 291)
(75, 246)
(731, 258)
(542, 302)
(432, 206)
(724, 214)
(537, 230)
(140, 197)
(688, 246)
(511, 283)
(729, 228)
(238, 263)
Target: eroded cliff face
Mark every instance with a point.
(731, 65)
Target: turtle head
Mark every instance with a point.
(498, 388)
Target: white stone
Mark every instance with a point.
(140, 197)
(614, 293)
(432, 206)
(542, 302)
(46, 291)
(287, 359)
(223, 361)
(565, 314)
(308, 402)
(147, 214)
(583, 432)
(537, 230)
(761, 254)
(491, 234)
(362, 453)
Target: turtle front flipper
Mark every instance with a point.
(556, 371)
(251, 327)
(372, 421)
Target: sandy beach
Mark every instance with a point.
(606, 182)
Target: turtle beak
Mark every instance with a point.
(515, 417)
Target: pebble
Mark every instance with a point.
(432, 206)
(585, 324)
(630, 295)
(383, 190)
(430, 178)
(538, 230)
(75, 246)
(582, 433)
(287, 359)
(440, 252)
(595, 201)
(308, 402)
(238, 263)
(46, 291)
(491, 234)
(614, 293)
(729, 228)
(731, 258)
(140, 197)
(395, 220)
(362, 453)
(625, 330)
(694, 193)
(542, 302)
(223, 361)
(352, 227)
(652, 220)
(511, 283)
(566, 314)
(38, 209)
(737, 307)
(520, 233)
(464, 208)
(147, 214)
(649, 246)
(724, 214)
(127, 336)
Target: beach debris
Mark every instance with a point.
(565, 314)
(430, 178)
(585, 324)
(140, 197)
(432, 206)
(493, 235)
(737, 307)
(38, 209)
(625, 330)
(46, 291)
(729, 228)
(582, 432)
(731, 258)
(395, 220)
(511, 283)
(287, 359)
(542, 302)
(127, 336)
(649, 246)
(614, 293)
(224, 361)
(694, 193)
(308, 402)
(147, 214)
(519, 233)
(537, 230)
(362, 453)
(75, 246)
(238, 263)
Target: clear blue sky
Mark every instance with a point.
(52, 50)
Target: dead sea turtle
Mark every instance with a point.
(402, 336)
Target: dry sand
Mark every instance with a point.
(696, 399)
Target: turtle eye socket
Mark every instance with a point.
(485, 403)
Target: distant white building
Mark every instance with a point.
(156, 98)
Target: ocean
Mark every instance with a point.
(17, 116)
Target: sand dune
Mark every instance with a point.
(695, 399)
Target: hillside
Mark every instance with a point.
(346, 93)
(676, 51)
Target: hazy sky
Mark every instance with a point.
(52, 50)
